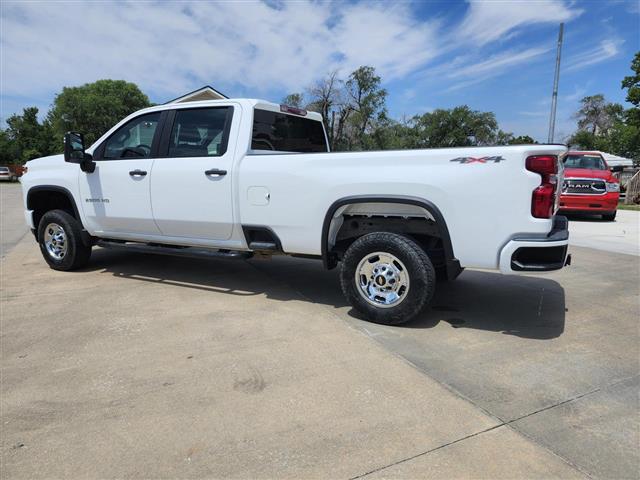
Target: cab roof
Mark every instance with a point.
(247, 102)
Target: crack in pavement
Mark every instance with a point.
(510, 425)
(503, 423)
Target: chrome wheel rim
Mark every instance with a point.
(55, 241)
(382, 279)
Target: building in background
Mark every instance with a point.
(205, 93)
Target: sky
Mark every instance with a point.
(492, 55)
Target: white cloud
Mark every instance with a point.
(492, 67)
(487, 21)
(607, 49)
(172, 47)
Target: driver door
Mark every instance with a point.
(116, 197)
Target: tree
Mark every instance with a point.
(8, 151)
(522, 140)
(458, 127)
(596, 115)
(632, 84)
(326, 95)
(94, 108)
(367, 100)
(26, 138)
(293, 100)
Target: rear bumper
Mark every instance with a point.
(607, 202)
(537, 253)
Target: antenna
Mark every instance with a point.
(554, 97)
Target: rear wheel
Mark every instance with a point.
(60, 239)
(609, 217)
(387, 277)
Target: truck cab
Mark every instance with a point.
(589, 186)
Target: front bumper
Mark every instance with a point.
(607, 202)
(538, 253)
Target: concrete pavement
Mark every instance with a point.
(12, 226)
(620, 236)
(156, 367)
(145, 366)
(555, 356)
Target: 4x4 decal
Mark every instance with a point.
(465, 160)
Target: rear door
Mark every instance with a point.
(115, 197)
(191, 181)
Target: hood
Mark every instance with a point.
(45, 161)
(587, 173)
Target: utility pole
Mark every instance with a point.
(554, 97)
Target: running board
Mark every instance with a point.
(190, 252)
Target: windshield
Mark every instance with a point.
(286, 133)
(592, 162)
(4, 169)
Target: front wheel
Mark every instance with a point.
(60, 240)
(609, 217)
(387, 277)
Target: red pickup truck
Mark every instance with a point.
(589, 186)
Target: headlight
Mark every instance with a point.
(613, 187)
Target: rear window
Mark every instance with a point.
(286, 133)
(593, 162)
(4, 169)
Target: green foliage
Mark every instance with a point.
(94, 108)
(456, 127)
(293, 100)
(25, 137)
(368, 102)
(597, 115)
(632, 84)
(522, 140)
(608, 126)
(8, 151)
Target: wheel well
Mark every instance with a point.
(350, 218)
(421, 229)
(43, 200)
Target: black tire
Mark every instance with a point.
(76, 254)
(420, 271)
(609, 217)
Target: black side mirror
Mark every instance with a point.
(617, 168)
(74, 152)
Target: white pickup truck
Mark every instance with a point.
(234, 178)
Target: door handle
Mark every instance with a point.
(137, 173)
(215, 171)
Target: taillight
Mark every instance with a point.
(544, 196)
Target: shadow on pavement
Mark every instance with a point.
(524, 306)
(585, 217)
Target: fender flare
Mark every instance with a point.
(54, 188)
(452, 264)
(86, 238)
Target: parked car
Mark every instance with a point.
(589, 186)
(11, 173)
(233, 178)
(5, 174)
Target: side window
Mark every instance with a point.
(133, 139)
(199, 132)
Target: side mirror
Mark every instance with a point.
(617, 168)
(74, 152)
